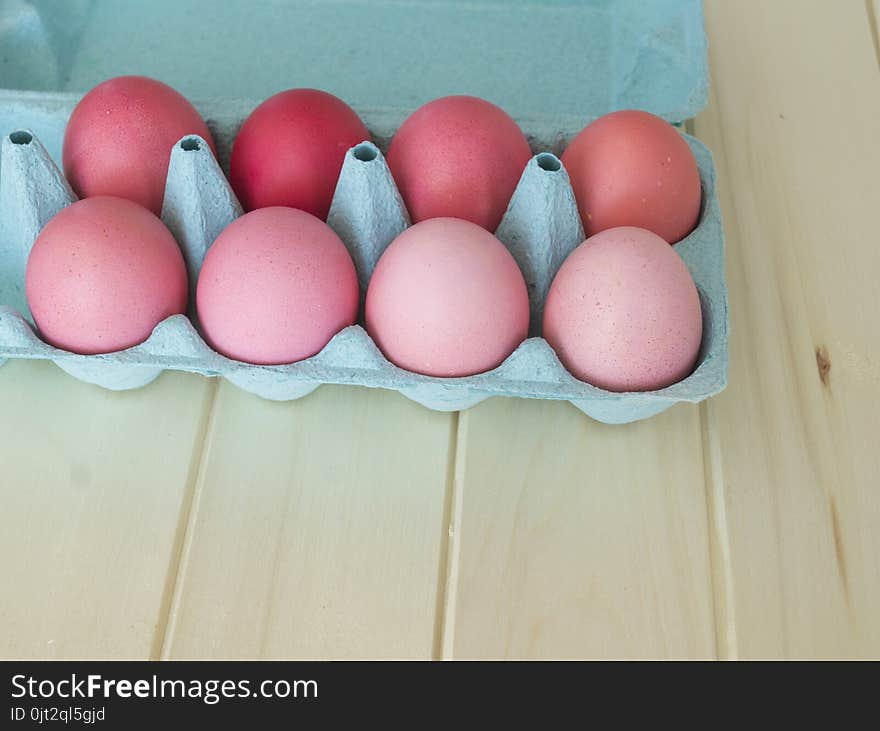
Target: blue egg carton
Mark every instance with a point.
(653, 58)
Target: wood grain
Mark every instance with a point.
(319, 529)
(94, 489)
(578, 539)
(793, 454)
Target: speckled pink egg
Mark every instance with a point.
(458, 156)
(447, 299)
(276, 286)
(632, 168)
(102, 274)
(119, 138)
(623, 312)
(290, 150)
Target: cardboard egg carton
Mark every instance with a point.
(540, 228)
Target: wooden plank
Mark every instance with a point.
(792, 443)
(94, 489)
(319, 530)
(577, 539)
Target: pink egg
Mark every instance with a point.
(276, 286)
(632, 168)
(290, 150)
(623, 312)
(447, 299)
(458, 156)
(119, 139)
(102, 274)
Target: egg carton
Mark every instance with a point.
(540, 227)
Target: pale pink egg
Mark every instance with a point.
(447, 299)
(290, 150)
(276, 285)
(102, 274)
(458, 156)
(623, 312)
(119, 138)
(632, 168)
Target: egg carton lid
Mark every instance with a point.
(570, 60)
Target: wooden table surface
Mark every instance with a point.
(191, 519)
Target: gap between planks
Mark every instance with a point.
(184, 538)
(874, 25)
(446, 619)
(719, 536)
(720, 564)
(448, 562)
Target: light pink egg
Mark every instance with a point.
(447, 299)
(623, 312)
(119, 138)
(458, 156)
(276, 285)
(632, 168)
(102, 274)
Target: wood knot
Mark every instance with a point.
(823, 363)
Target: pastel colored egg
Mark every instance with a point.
(623, 312)
(632, 168)
(447, 299)
(290, 150)
(119, 138)
(102, 274)
(276, 285)
(458, 156)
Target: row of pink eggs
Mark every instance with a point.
(446, 297)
